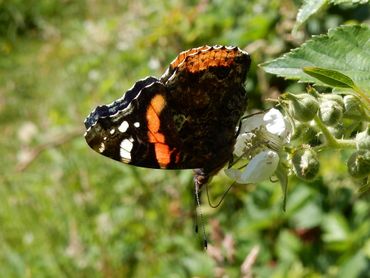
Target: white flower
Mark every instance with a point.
(260, 168)
(261, 138)
(277, 124)
(252, 123)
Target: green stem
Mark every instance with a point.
(331, 141)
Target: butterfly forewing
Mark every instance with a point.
(133, 135)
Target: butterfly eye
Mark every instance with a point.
(221, 72)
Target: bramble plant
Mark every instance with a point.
(312, 122)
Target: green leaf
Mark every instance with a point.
(332, 78)
(309, 8)
(345, 49)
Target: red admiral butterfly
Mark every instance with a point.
(186, 119)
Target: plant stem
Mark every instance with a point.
(331, 141)
(346, 143)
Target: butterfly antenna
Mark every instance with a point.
(222, 197)
(199, 212)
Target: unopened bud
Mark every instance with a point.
(331, 112)
(359, 164)
(363, 139)
(303, 107)
(305, 164)
(352, 107)
(332, 97)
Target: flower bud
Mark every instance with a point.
(305, 164)
(352, 107)
(359, 164)
(332, 97)
(303, 107)
(363, 139)
(331, 112)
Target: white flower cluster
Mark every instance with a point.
(261, 139)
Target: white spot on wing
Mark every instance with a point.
(123, 127)
(112, 131)
(101, 147)
(136, 124)
(126, 147)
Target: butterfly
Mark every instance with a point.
(186, 119)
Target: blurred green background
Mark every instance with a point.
(67, 212)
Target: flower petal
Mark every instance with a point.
(251, 123)
(275, 122)
(260, 168)
(233, 174)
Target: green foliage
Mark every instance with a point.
(344, 49)
(308, 9)
(332, 78)
(18, 17)
(66, 212)
(311, 7)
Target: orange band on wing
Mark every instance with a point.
(162, 151)
(152, 114)
(156, 137)
(162, 154)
